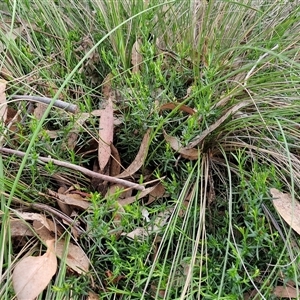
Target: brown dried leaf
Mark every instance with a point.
(3, 104)
(160, 220)
(42, 231)
(116, 188)
(157, 193)
(288, 208)
(39, 110)
(139, 233)
(37, 217)
(136, 57)
(76, 258)
(191, 154)
(32, 274)
(199, 139)
(115, 166)
(106, 133)
(106, 86)
(92, 296)
(285, 292)
(139, 159)
(71, 199)
(178, 106)
(140, 195)
(20, 228)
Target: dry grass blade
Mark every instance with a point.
(139, 159)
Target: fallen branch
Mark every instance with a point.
(83, 170)
(72, 108)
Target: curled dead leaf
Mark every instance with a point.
(179, 106)
(115, 166)
(32, 274)
(139, 159)
(140, 195)
(199, 139)
(175, 144)
(71, 199)
(37, 217)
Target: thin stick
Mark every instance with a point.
(72, 108)
(78, 168)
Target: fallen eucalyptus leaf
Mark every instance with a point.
(288, 208)
(139, 159)
(32, 274)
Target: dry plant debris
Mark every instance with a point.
(139, 159)
(32, 274)
(3, 104)
(287, 207)
(136, 56)
(106, 132)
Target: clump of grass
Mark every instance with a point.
(219, 242)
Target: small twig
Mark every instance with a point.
(72, 108)
(78, 168)
(50, 210)
(57, 213)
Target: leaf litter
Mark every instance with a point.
(287, 207)
(139, 159)
(76, 258)
(136, 57)
(32, 274)
(108, 155)
(106, 133)
(3, 103)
